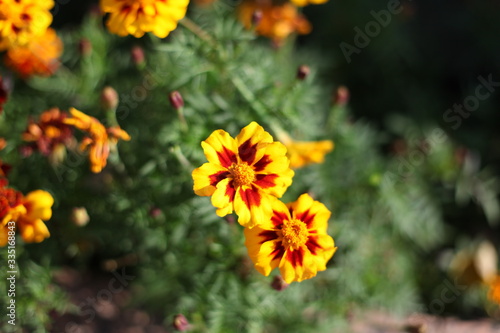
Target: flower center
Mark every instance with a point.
(294, 234)
(242, 173)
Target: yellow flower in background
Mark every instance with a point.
(136, 17)
(277, 21)
(99, 141)
(38, 209)
(21, 21)
(40, 56)
(303, 153)
(244, 174)
(294, 239)
(302, 3)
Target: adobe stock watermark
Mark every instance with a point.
(11, 272)
(372, 29)
(471, 103)
(88, 307)
(450, 292)
(407, 164)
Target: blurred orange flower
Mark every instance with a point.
(494, 290)
(50, 135)
(99, 140)
(38, 57)
(22, 21)
(277, 21)
(302, 3)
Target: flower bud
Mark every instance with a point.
(341, 97)
(154, 212)
(302, 72)
(79, 216)
(256, 17)
(176, 99)
(181, 323)
(137, 54)
(85, 47)
(278, 283)
(109, 98)
(3, 143)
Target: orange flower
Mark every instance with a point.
(50, 134)
(494, 290)
(277, 22)
(21, 21)
(4, 169)
(38, 57)
(294, 239)
(99, 140)
(3, 143)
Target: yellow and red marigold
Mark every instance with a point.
(244, 174)
(22, 21)
(277, 22)
(99, 141)
(136, 17)
(294, 239)
(39, 56)
(50, 134)
(27, 212)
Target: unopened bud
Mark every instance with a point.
(3, 143)
(278, 283)
(109, 98)
(137, 54)
(176, 99)
(303, 72)
(154, 212)
(181, 323)
(342, 96)
(79, 216)
(256, 17)
(85, 47)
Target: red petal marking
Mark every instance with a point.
(295, 257)
(306, 217)
(312, 245)
(262, 163)
(230, 191)
(247, 151)
(265, 181)
(267, 235)
(278, 251)
(226, 157)
(217, 177)
(250, 196)
(278, 218)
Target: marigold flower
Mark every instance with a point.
(100, 140)
(494, 290)
(38, 57)
(11, 204)
(302, 3)
(50, 133)
(4, 168)
(294, 239)
(38, 209)
(21, 21)
(243, 174)
(277, 22)
(138, 17)
(304, 153)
